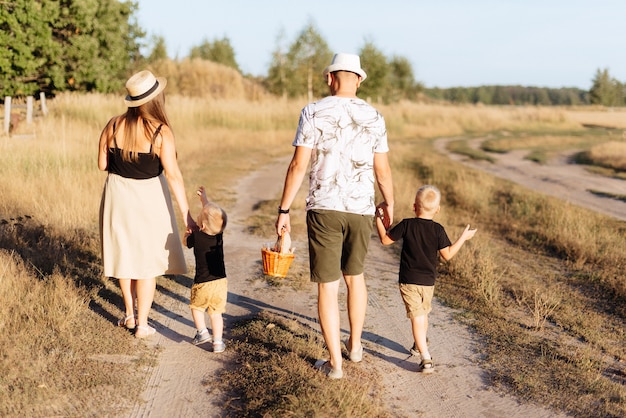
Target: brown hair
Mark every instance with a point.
(152, 115)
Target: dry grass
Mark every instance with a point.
(275, 376)
(610, 154)
(542, 283)
(60, 355)
(418, 120)
(599, 116)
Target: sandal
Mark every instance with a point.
(355, 356)
(144, 331)
(426, 366)
(325, 367)
(128, 322)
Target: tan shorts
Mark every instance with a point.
(209, 296)
(338, 243)
(417, 299)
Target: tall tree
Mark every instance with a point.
(402, 81)
(55, 45)
(218, 50)
(28, 47)
(276, 80)
(378, 70)
(159, 49)
(99, 39)
(606, 90)
(299, 70)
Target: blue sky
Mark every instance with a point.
(544, 43)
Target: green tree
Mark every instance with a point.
(483, 94)
(299, 71)
(55, 45)
(28, 48)
(99, 39)
(159, 50)
(378, 83)
(606, 90)
(402, 80)
(276, 80)
(219, 50)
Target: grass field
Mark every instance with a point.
(544, 285)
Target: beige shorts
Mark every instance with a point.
(417, 299)
(209, 296)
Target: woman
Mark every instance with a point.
(140, 239)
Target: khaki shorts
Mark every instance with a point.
(209, 296)
(417, 299)
(338, 243)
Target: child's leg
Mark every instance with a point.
(202, 334)
(198, 319)
(217, 326)
(419, 325)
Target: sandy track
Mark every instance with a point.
(179, 384)
(558, 177)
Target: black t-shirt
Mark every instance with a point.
(421, 241)
(209, 253)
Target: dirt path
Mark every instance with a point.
(179, 384)
(558, 177)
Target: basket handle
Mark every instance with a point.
(280, 243)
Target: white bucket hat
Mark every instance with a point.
(143, 87)
(346, 62)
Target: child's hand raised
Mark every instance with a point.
(469, 233)
(202, 193)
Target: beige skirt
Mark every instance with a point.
(138, 230)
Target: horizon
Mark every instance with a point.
(550, 44)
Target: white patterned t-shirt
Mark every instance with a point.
(344, 133)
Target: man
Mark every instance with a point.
(345, 139)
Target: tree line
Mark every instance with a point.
(52, 46)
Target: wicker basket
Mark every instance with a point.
(276, 263)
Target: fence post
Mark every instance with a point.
(29, 110)
(42, 99)
(7, 114)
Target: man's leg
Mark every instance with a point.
(357, 304)
(328, 311)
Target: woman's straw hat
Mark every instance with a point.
(346, 62)
(143, 87)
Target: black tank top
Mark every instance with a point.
(147, 166)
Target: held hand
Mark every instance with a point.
(283, 223)
(191, 224)
(385, 214)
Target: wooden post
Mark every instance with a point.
(29, 110)
(42, 99)
(7, 114)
